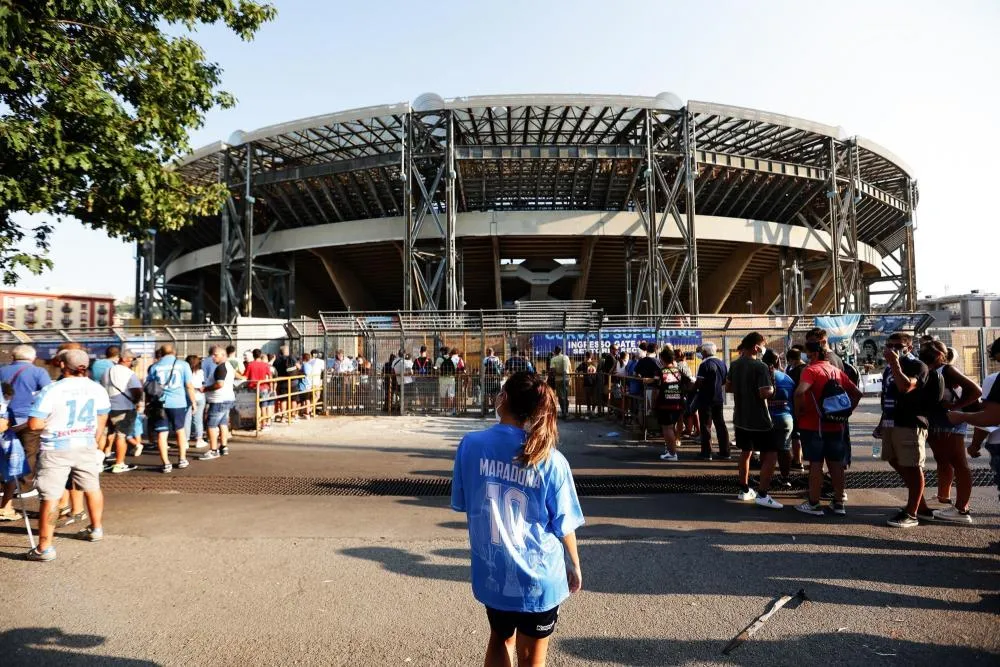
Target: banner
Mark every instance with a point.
(838, 327)
(578, 344)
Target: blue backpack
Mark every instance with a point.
(834, 403)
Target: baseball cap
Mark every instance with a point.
(76, 359)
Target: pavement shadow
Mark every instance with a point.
(845, 648)
(52, 646)
(837, 569)
(403, 562)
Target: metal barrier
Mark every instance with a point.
(292, 396)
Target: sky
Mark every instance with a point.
(915, 77)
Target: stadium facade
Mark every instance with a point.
(641, 205)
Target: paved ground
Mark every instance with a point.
(199, 579)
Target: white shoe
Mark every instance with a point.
(747, 496)
(952, 515)
(768, 502)
(667, 456)
(200, 444)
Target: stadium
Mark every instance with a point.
(638, 205)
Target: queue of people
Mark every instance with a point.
(59, 435)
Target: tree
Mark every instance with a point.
(96, 102)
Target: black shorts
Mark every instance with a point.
(755, 441)
(121, 421)
(533, 624)
(668, 417)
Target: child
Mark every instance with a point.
(13, 462)
(518, 495)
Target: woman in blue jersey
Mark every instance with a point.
(518, 494)
(780, 407)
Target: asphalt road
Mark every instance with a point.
(188, 579)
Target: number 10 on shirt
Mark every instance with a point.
(510, 515)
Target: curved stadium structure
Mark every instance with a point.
(638, 204)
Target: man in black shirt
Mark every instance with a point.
(909, 389)
(516, 363)
(711, 387)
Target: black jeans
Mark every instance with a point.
(708, 415)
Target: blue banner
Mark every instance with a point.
(838, 327)
(578, 344)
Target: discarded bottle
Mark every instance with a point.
(877, 449)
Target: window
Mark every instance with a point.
(83, 305)
(48, 314)
(49, 303)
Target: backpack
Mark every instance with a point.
(671, 393)
(493, 366)
(422, 365)
(447, 367)
(834, 405)
(154, 389)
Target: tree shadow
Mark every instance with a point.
(845, 648)
(52, 646)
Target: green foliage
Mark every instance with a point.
(96, 101)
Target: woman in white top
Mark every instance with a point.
(196, 413)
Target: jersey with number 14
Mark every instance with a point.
(70, 408)
(516, 517)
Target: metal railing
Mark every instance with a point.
(285, 399)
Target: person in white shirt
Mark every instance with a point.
(220, 396)
(70, 414)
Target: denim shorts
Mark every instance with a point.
(170, 419)
(817, 446)
(218, 414)
(781, 432)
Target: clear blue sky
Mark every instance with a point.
(916, 77)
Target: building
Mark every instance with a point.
(974, 309)
(52, 310)
(641, 205)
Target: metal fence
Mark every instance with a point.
(377, 387)
(390, 386)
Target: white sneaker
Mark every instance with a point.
(667, 456)
(768, 502)
(747, 496)
(209, 455)
(952, 515)
(200, 444)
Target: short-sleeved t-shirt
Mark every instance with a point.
(560, 365)
(99, 368)
(256, 372)
(516, 517)
(226, 374)
(284, 366)
(517, 365)
(70, 408)
(993, 396)
(908, 410)
(748, 376)
(817, 375)
(175, 381)
(780, 405)
(647, 368)
(27, 380)
(118, 381)
(712, 372)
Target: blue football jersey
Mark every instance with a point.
(516, 517)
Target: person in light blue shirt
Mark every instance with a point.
(100, 367)
(518, 495)
(169, 412)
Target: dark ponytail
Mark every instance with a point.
(531, 401)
